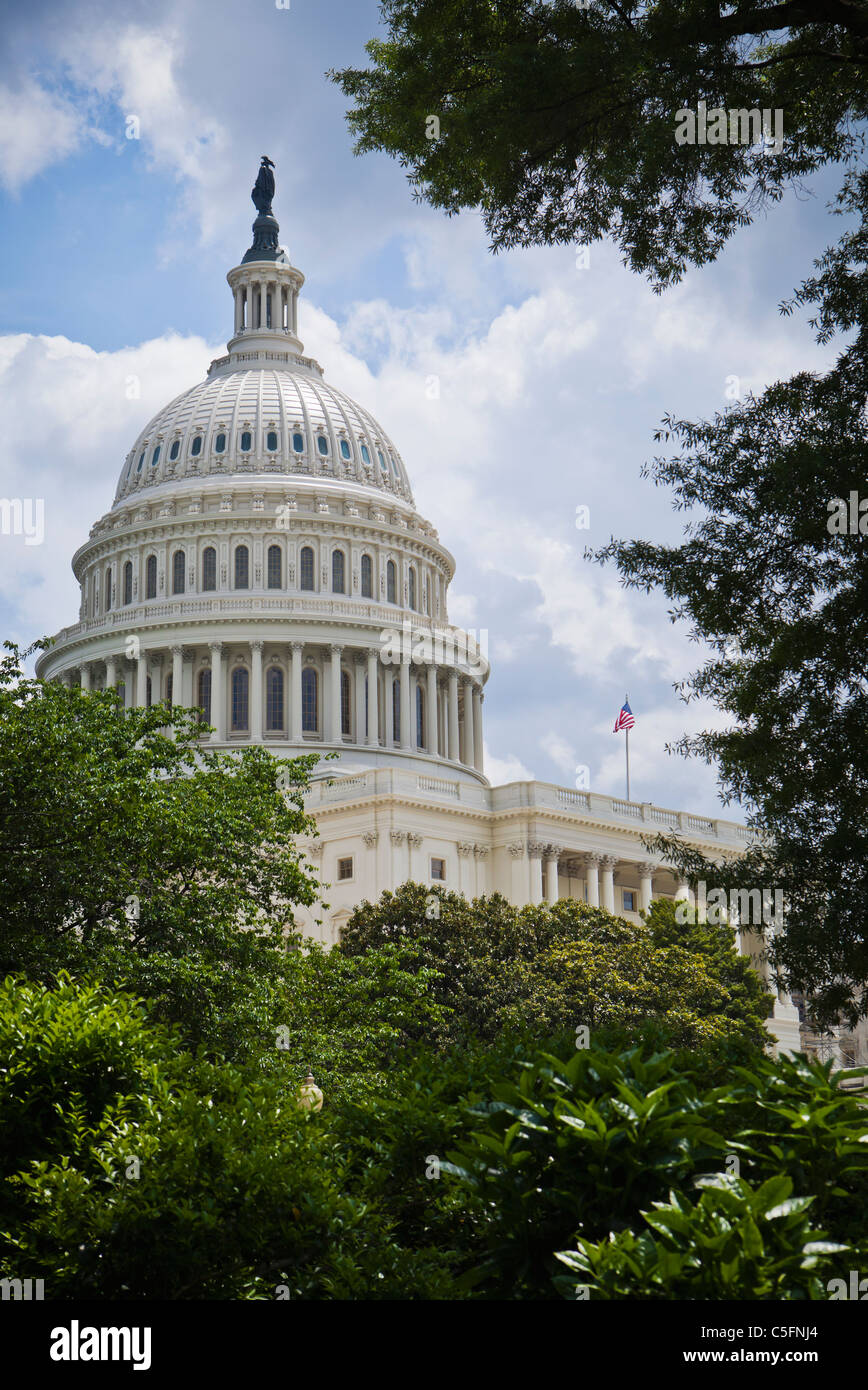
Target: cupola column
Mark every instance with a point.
(335, 695)
(239, 308)
(469, 756)
(359, 683)
(256, 692)
(295, 692)
(453, 716)
(477, 728)
(373, 694)
(431, 712)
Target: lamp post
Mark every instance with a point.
(309, 1095)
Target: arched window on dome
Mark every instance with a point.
(383, 464)
(420, 717)
(246, 441)
(196, 446)
(240, 700)
(367, 577)
(204, 695)
(274, 699)
(298, 443)
(346, 704)
(140, 462)
(322, 444)
(411, 584)
(220, 443)
(151, 577)
(179, 561)
(155, 457)
(242, 567)
(366, 455)
(346, 451)
(107, 590)
(309, 701)
(209, 569)
(306, 569)
(271, 442)
(175, 449)
(275, 567)
(338, 568)
(128, 582)
(396, 711)
(391, 582)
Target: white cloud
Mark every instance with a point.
(508, 769)
(38, 128)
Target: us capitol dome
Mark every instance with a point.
(263, 560)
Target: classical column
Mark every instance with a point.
(256, 710)
(551, 863)
(407, 714)
(142, 679)
(646, 884)
(129, 672)
(263, 304)
(110, 673)
(478, 697)
(389, 711)
(296, 649)
(431, 711)
(517, 853)
(178, 676)
(682, 892)
(480, 854)
(592, 870)
(397, 838)
(414, 841)
(155, 671)
(335, 695)
(218, 695)
(608, 862)
(187, 679)
(536, 852)
(465, 850)
(85, 677)
(469, 755)
(453, 716)
(359, 668)
(237, 307)
(373, 736)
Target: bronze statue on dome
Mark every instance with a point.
(263, 189)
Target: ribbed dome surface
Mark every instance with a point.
(272, 420)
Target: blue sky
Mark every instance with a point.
(114, 255)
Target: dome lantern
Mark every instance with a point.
(266, 285)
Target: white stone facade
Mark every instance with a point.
(263, 559)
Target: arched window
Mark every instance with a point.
(412, 587)
(306, 567)
(246, 441)
(155, 457)
(271, 441)
(338, 572)
(396, 711)
(275, 567)
(175, 449)
(179, 561)
(346, 705)
(391, 583)
(309, 701)
(366, 454)
(298, 443)
(322, 444)
(108, 590)
(367, 577)
(151, 577)
(346, 451)
(204, 695)
(196, 446)
(209, 569)
(420, 717)
(383, 463)
(220, 443)
(242, 567)
(128, 582)
(274, 698)
(140, 462)
(240, 699)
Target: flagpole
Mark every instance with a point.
(627, 747)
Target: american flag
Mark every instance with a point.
(625, 719)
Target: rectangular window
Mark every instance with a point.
(345, 868)
(629, 901)
(438, 870)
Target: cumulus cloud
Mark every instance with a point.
(38, 128)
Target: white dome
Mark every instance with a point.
(280, 419)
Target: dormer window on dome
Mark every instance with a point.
(220, 443)
(346, 451)
(175, 450)
(298, 443)
(366, 457)
(246, 441)
(271, 441)
(155, 457)
(322, 444)
(196, 446)
(140, 462)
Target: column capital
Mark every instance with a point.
(592, 860)
(370, 838)
(464, 849)
(648, 870)
(397, 836)
(551, 851)
(187, 656)
(480, 851)
(215, 647)
(256, 645)
(536, 849)
(414, 839)
(373, 653)
(335, 649)
(609, 861)
(516, 851)
(177, 650)
(297, 647)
